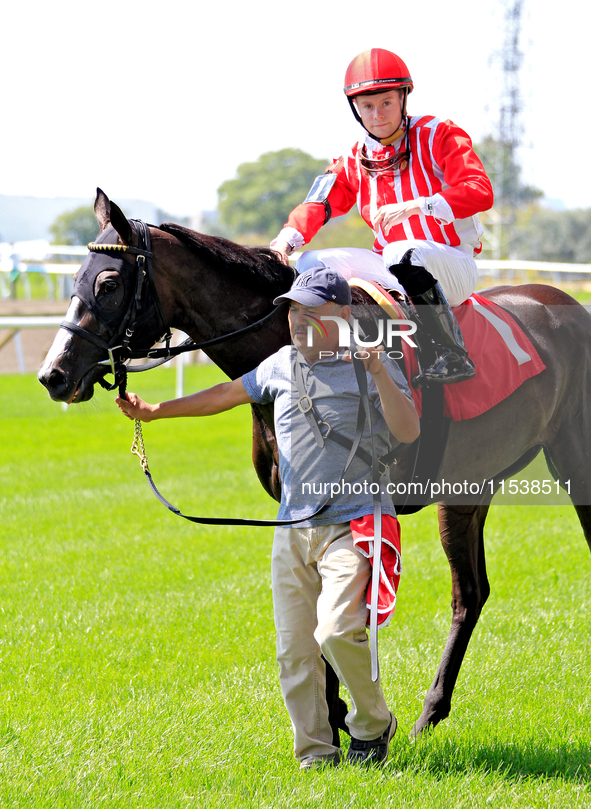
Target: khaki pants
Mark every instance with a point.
(319, 587)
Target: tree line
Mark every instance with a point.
(253, 206)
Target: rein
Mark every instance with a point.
(363, 416)
(119, 351)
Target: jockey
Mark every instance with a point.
(420, 186)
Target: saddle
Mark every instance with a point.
(502, 352)
(504, 358)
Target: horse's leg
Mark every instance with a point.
(568, 458)
(337, 707)
(264, 450)
(584, 514)
(461, 529)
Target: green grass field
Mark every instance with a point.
(137, 650)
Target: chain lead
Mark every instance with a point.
(137, 446)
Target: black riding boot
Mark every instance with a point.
(438, 332)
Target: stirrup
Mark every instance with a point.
(450, 366)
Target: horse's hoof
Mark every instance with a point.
(421, 729)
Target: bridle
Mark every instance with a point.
(118, 347)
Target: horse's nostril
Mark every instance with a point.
(55, 381)
(57, 377)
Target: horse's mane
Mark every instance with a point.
(259, 264)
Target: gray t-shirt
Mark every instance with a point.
(307, 471)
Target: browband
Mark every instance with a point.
(118, 248)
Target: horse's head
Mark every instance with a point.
(112, 308)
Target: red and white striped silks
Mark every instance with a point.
(444, 172)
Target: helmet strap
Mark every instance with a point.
(351, 100)
(404, 98)
(398, 134)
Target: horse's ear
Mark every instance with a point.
(102, 209)
(120, 223)
(110, 214)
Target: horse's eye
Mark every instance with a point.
(109, 290)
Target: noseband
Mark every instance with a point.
(118, 348)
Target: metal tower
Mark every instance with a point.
(500, 152)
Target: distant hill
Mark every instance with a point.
(28, 218)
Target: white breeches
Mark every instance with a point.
(455, 270)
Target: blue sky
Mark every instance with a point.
(162, 101)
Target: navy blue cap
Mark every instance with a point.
(317, 286)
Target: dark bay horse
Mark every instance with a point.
(210, 287)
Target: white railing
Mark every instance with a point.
(13, 327)
(486, 265)
(21, 260)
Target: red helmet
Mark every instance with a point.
(376, 70)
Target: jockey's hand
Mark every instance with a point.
(370, 357)
(390, 215)
(134, 407)
(282, 250)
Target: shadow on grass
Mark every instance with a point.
(514, 761)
